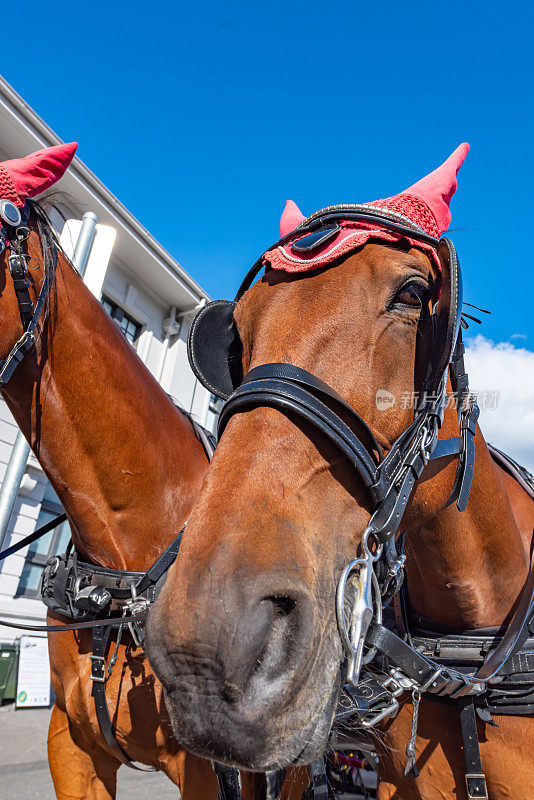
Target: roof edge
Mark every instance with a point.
(49, 138)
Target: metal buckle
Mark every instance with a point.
(137, 605)
(476, 786)
(98, 669)
(433, 678)
(396, 684)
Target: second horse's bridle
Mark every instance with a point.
(13, 234)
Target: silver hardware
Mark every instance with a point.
(402, 679)
(53, 566)
(395, 689)
(367, 604)
(77, 585)
(95, 662)
(137, 605)
(410, 768)
(10, 213)
(394, 568)
(426, 686)
(423, 444)
(476, 776)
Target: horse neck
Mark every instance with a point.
(123, 460)
(466, 569)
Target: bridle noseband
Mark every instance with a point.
(13, 234)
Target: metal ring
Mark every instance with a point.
(340, 601)
(378, 600)
(365, 538)
(423, 443)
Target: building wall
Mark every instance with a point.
(22, 523)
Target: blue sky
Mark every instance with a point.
(203, 118)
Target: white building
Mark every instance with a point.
(143, 288)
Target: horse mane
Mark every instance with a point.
(49, 240)
(48, 236)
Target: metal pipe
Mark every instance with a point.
(169, 327)
(21, 449)
(11, 483)
(86, 237)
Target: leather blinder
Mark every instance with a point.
(214, 348)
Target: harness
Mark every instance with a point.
(96, 598)
(381, 664)
(382, 661)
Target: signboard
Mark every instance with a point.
(33, 680)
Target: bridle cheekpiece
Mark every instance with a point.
(14, 232)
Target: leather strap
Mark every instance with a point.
(426, 674)
(283, 393)
(228, 778)
(319, 784)
(17, 268)
(49, 526)
(99, 677)
(515, 634)
(290, 372)
(25, 343)
(475, 779)
(161, 565)
(110, 622)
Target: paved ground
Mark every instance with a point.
(24, 771)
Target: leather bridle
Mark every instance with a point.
(389, 480)
(12, 239)
(377, 573)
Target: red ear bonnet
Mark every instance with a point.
(426, 204)
(21, 178)
(291, 218)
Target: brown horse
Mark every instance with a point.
(127, 467)
(252, 671)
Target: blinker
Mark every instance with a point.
(316, 239)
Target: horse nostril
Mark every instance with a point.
(231, 692)
(283, 606)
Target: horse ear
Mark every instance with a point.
(291, 218)
(437, 188)
(33, 174)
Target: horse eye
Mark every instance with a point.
(414, 294)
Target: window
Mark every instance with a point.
(50, 544)
(216, 403)
(128, 325)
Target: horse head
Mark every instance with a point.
(244, 635)
(29, 253)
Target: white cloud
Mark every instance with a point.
(510, 371)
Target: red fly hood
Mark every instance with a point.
(21, 178)
(426, 204)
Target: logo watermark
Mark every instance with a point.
(487, 399)
(384, 400)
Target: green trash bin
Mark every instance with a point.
(8, 671)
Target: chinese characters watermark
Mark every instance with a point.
(487, 399)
